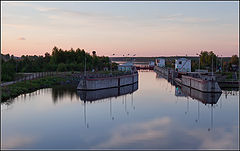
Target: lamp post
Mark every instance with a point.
(216, 62)
(221, 65)
(199, 61)
(212, 65)
(85, 73)
(111, 63)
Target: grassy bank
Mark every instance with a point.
(14, 90)
(17, 89)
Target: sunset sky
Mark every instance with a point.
(141, 28)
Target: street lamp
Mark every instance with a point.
(216, 62)
(199, 61)
(221, 64)
(85, 73)
(133, 56)
(111, 63)
(212, 64)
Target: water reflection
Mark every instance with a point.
(106, 93)
(160, 121)
(205, 98)
(59, 92)
(160, 76)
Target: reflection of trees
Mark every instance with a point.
(59, 92)
(233, 92)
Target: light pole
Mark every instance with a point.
(212, 65)
(221, 65)
(216, 63)
(199, 62)
(85, 73)
(133, 56)
(111, 63)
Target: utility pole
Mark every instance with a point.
(212, 65)
(111, 63)
(85, 74)
(216, 63)
(199, 62)
(221, 64)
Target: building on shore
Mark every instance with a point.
(183, 65)
(128, 66)
(151, 63)
(160, 62)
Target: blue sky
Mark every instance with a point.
(142, 28)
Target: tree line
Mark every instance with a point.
(209, 58)
(60, 60)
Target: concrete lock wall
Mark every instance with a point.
(102, 83)
(163, 71)
(202, 85)
(195, 83)
(130, 79)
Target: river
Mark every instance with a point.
(154, 114)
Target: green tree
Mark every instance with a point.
(8, 71)
(206, 59)
(61, 67)
(234, 60)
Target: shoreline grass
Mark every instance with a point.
(14, 90)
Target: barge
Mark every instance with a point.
(204, 82)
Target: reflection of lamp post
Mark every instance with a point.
(198, 113)
(187, 105)
(211, 118)
(111, 109)
(85, 115)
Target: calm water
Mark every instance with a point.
(157, 115)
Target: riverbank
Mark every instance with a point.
(30, 84)
(24, 87)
